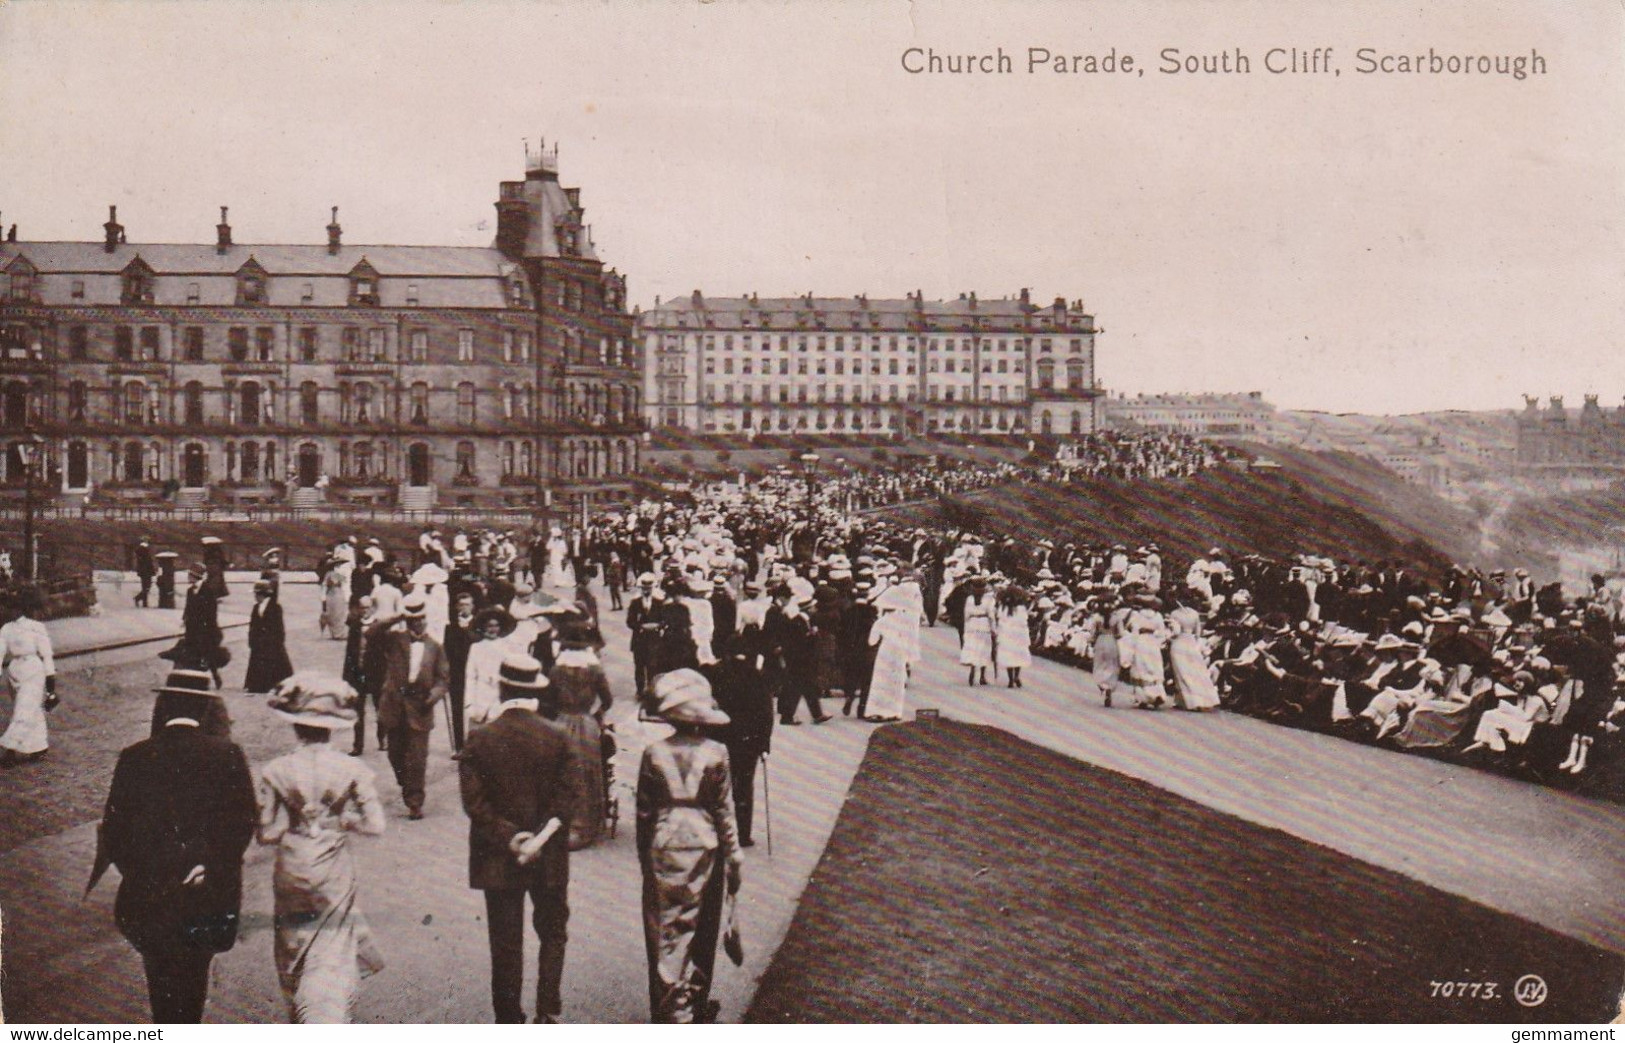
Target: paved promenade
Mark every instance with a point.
(1552, 857)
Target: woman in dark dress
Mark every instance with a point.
(202, 643)
(688, 847)
(268, 662)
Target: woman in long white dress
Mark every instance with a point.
(26, 648)
(1145, 635)
(335, 617)
(309, 799)
(1193, 680)
(977, 651)
(558, 562)
(888, 635)
(1012, 637)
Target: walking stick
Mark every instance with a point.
(767, 806)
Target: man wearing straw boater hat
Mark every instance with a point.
(415, 677)
(179, 815)
(519, 785)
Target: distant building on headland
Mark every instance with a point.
(1554, 443)
(1239, 415)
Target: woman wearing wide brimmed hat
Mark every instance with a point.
(308, 800)
(580, 695)
(492, 629)
(977, 650)
(688, 846)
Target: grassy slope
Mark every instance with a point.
(1330, 503)
(1034, 888)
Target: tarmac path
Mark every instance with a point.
(1552, 857)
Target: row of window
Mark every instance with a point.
(839, 343)
(822, 393)
(250, 461)
(250, 403)
(258, 344)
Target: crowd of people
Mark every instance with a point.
(1125, 455)
(744, 606)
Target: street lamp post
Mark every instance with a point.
(809, 467)
(28, 451)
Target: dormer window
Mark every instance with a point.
(22, 280)
(251, 283)
(364, 284)
(137, 283)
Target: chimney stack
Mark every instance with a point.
(334, 233)
(223, 233)
(1026, 299)
(115, 231)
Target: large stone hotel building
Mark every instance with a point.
(854, 365)
(417, 376)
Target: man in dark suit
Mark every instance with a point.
(143, 571)
(179, 815)
(741, 693)
(415, 677)
(457, 641)
(643, 619)
(519, 785)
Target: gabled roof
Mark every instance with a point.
(276, 259)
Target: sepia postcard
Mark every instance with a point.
(916, 512)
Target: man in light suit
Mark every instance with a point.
(520, 780)
(179, 815)
(415, 677)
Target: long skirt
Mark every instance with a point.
(587, 821)
(886, 687)
(268, 665)
(1107, 664)
(1193, 682)
(335, 616)
(324, 946)
(978, 647)
(1014, 644)
(27, 732)
(682, 917)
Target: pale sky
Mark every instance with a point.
(1343, 242)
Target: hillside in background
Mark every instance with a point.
(1333, 504)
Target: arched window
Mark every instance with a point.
(270, 462)
(510, 457)
(1044, 422)
(420, 403)
(365, 411)
(249, 462)
(77, 398)
(1077, 422)
(364, 465)
(465, 460)
(466, 411)
(1046, 374)
(527, 459)
(309, 403)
